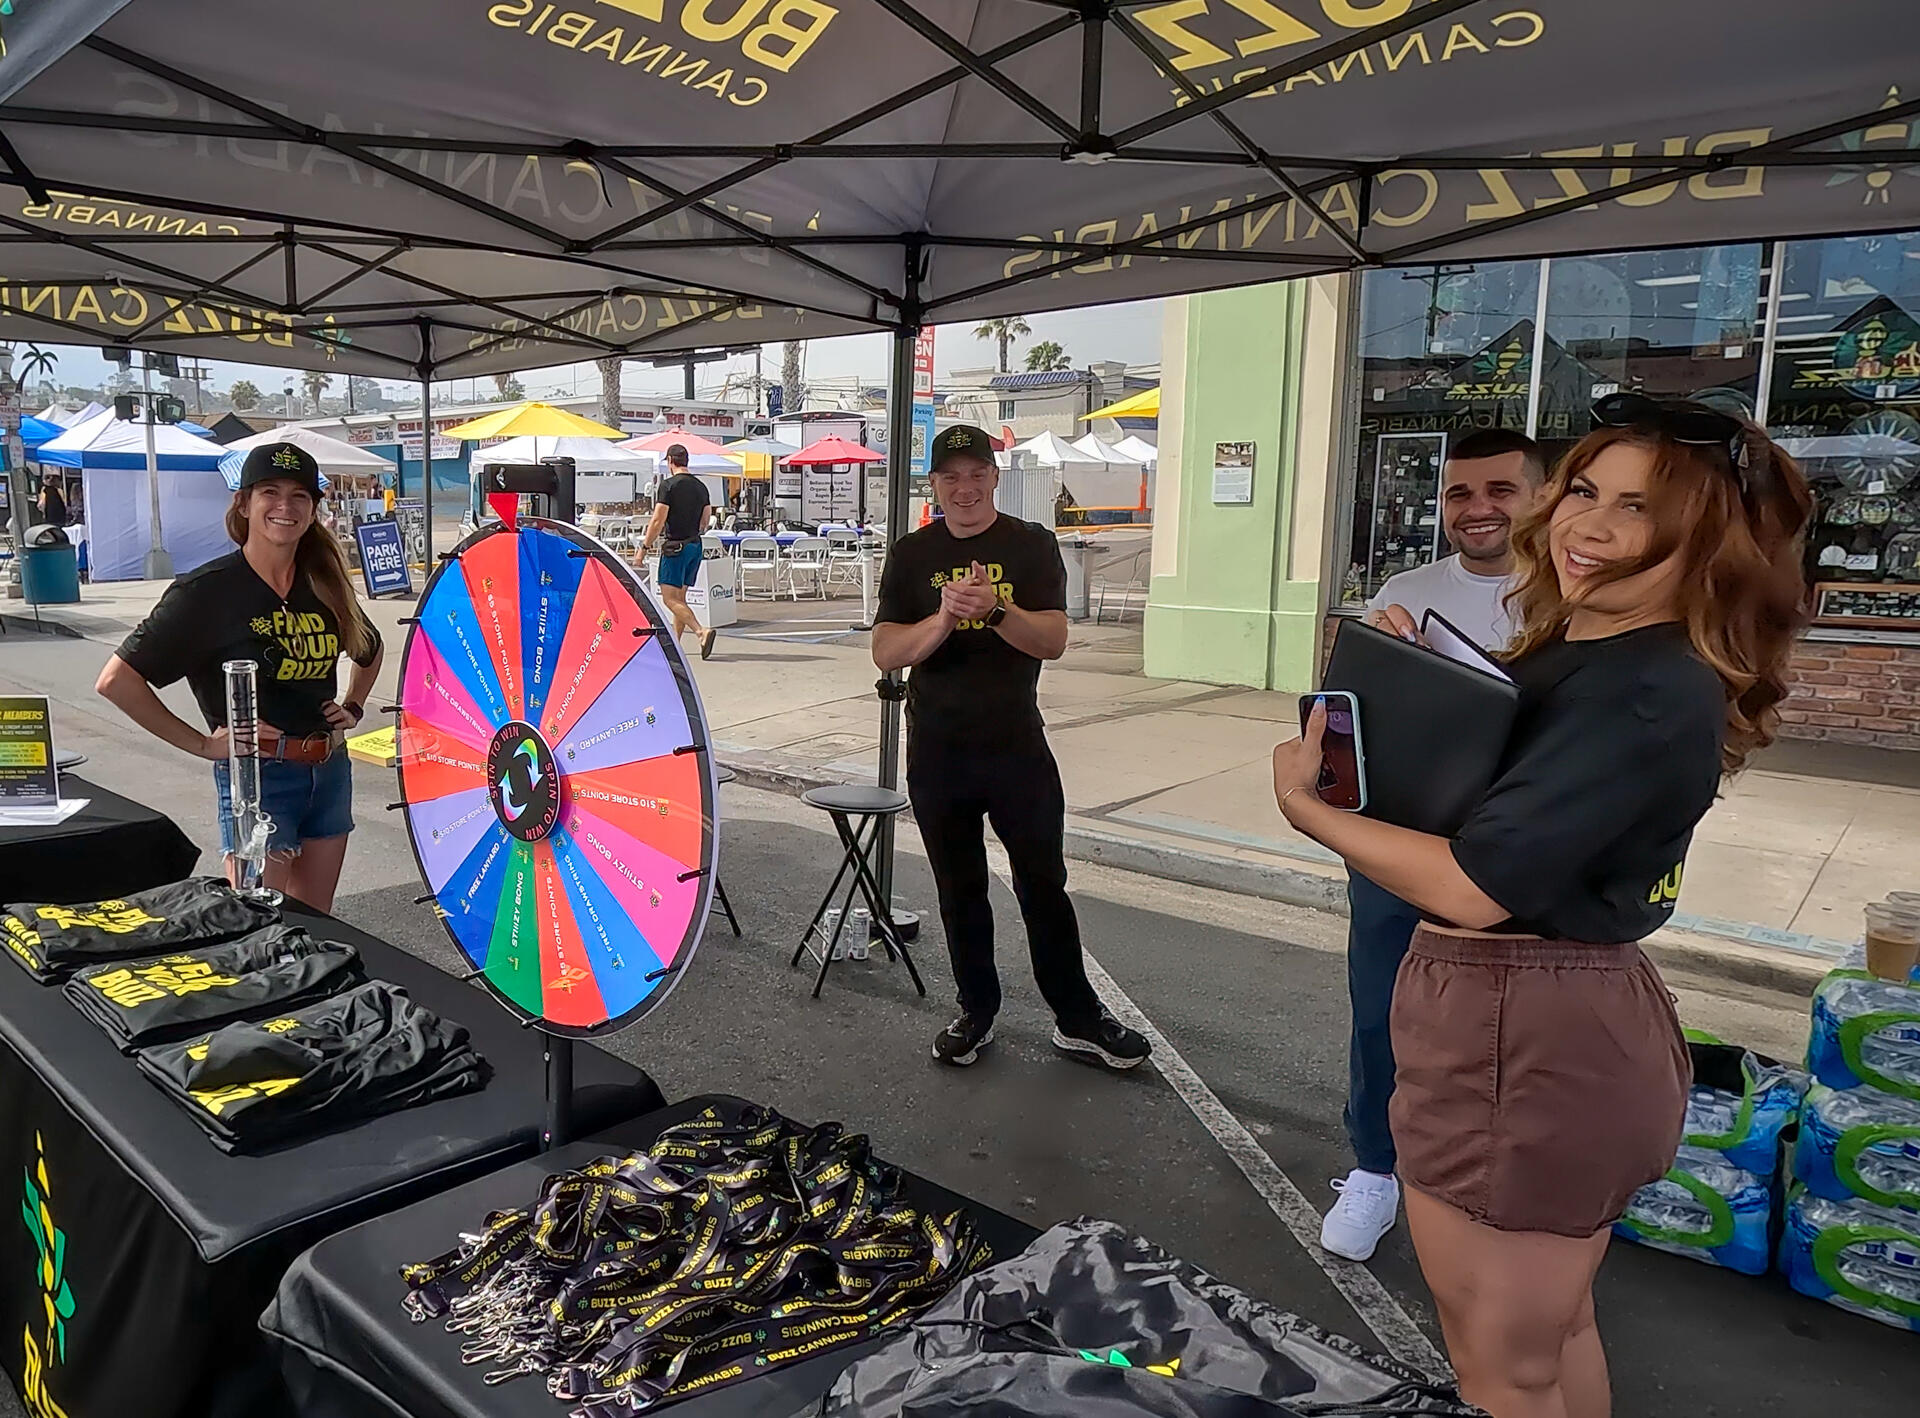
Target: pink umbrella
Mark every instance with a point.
(833, 450)
(696, 446)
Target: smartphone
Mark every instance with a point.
(1343, 770)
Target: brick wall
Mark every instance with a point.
(1864, 694)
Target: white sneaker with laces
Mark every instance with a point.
(1365, 1212)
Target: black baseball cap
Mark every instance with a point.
(281, 460)
(677, 455)
(961, 440)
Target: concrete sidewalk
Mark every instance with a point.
(1172, 779)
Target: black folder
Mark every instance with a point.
(1433, 731)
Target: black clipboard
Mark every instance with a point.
(1435, 731)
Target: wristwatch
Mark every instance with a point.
(996, 615)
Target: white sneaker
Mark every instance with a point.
(1365, 1212)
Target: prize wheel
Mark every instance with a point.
(554, 775)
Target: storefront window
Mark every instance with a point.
(1443, 350)
(1845, 401)
(1673, 324)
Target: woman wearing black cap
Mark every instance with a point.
(285, 601)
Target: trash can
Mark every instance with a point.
(49, 567)
(1077, 553)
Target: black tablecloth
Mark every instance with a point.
(348, 1351)
(170, 1249)
(111, 847)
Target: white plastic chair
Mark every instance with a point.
(843, 557)
(807, 558)
(759, 556)
(712, 548)
(616, 533)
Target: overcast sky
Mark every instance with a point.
(1129, 333)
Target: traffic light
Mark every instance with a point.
(167, 409)
(123, 407)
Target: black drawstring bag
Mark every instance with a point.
(1091, 1322)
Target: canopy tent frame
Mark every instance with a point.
(579, 272)
(1081, 139)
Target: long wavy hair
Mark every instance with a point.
(318, 558)
(1742, 590)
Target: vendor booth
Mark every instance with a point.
(111, 454)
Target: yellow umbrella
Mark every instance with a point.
(1144, 405)
(534, 418)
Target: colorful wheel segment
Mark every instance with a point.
(555, 778)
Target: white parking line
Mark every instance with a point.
(1379, 1310)
(1381, 1313)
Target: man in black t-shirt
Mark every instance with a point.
(682, 510)
(972, 604)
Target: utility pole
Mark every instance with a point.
(157, 565)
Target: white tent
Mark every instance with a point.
(1138, 449)
(1089, 482)
(332, 454)
(1093, 446)
(112, 456)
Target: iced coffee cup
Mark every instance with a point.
(1893, 939)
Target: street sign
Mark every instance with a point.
(383, 557)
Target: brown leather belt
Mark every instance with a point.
(312, 750)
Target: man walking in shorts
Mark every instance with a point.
(681, 513)
(1490, 478)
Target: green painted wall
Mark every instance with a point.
(1226, 613)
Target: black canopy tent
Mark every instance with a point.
(483, 185)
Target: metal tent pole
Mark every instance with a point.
(158, 565)
(892, 688)
(426, 435)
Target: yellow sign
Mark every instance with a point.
(376, 746)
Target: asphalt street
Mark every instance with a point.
(1250, 993)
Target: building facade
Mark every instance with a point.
(1349, 389)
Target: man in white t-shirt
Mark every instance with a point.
(1490, 478)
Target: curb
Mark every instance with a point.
(43, 626)
(1763, 967)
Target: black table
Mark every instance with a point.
(111, 847)
(348, 1350)
(170, 1249)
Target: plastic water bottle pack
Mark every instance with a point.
(1860, 1145)
(1856, 1255)
(1704, 1208)
(1740, 1104)
(1866, 1032)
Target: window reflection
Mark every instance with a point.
(1443, 350)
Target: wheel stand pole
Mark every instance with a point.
(556, 1127)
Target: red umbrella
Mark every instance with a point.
(696, 446)
(832, 450)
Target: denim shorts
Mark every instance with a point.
(305, 801)
(683, 567)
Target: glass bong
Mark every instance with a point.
(252, 828)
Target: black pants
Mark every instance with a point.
(1017, 788)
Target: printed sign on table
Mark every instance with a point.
(383, 557)
(28, 777)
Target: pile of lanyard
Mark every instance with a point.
(730, 1247)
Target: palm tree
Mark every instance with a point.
(245, 395)
(37, 361)
(510, 387)
(792, 392)
(1047, 356)
(1004, 332)
(609, 367)
(313, 384)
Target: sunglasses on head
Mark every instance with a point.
(1682, 421)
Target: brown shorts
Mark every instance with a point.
(1538, 1083)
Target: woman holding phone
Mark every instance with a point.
(1542, 1077)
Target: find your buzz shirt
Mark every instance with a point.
(224, 611)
